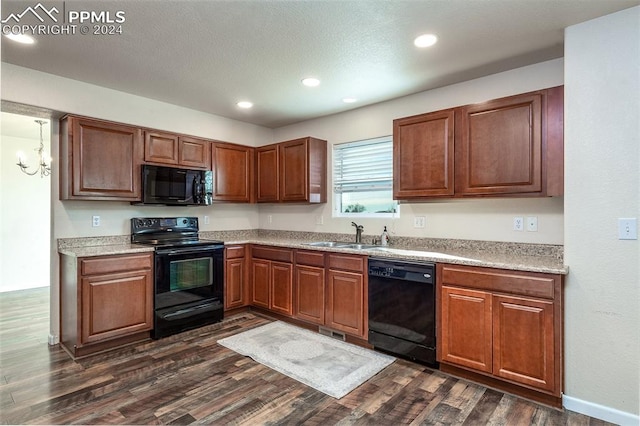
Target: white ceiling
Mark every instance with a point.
(207, 55)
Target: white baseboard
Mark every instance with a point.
(53, 340)
(600, 411)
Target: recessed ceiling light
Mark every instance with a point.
(349, 100)
(21, 38)
(244, 104)
(425, 40)
(311, 82)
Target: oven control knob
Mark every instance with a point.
(184, 221)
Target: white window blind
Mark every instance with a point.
(364, 166)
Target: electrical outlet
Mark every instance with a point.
(270, 218)
(206, 220)
(419, 221)
(518, 224)
(627, 228)
(532, 224)
(95, 221)
(320, 220)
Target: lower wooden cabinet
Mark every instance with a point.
(235, 280)
(347, 294)
(466, 330)
(272, 279)
(502, 324)
(309, 285)
(105, 301)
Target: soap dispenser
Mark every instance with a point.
(384, 238)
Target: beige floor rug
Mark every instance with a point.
(326, 364)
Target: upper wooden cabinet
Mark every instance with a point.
(505, 147)
(267, 165)
(177, 150)
(233, 170)
(500, 146)
(293, 171)
(99, 160)
(423, 155)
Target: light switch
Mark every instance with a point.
(627, 228)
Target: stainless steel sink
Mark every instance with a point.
(341, 244)
(325, 244)
(358, 246)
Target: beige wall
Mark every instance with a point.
(602, 140)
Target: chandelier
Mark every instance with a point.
(43, 167)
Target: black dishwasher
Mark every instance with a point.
(402, 308)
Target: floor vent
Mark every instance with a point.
(331, 333)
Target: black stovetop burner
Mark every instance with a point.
(167, 232)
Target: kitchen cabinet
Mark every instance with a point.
(511, 146)
(236, 283)
(293, 171)
(233, 169)
(105, 301)
(504, 325)
(99, 160)
(309, 286)
(176, 150)
(272, 279)
(346, 305)
(268, 176)
(423, 155)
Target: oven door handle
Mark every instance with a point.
(193, 250)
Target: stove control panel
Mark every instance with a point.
(154, 224)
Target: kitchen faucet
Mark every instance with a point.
(359, 229)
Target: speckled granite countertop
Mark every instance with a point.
(99, 246)
(515, 256)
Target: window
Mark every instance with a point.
(363, 178)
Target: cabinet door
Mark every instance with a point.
(101, 160)
(499, 147)
(234, 295)
(282, 288)
(294, 183)
(115, 305)
(268, 175)
(423, 155)
(345, 305)
(523, 338)
(309, 290)
(233, 172)
(466, 328)
(193, 152)
(161, 148)
(260, 282)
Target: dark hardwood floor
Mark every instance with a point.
(190, 379)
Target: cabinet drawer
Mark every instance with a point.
(310, 258)
(512, 282)
(235, 252)
(347, 262)
(108, 264)
(272, 253)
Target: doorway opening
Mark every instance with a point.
(25, 205)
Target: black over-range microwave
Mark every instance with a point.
(176, 187)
